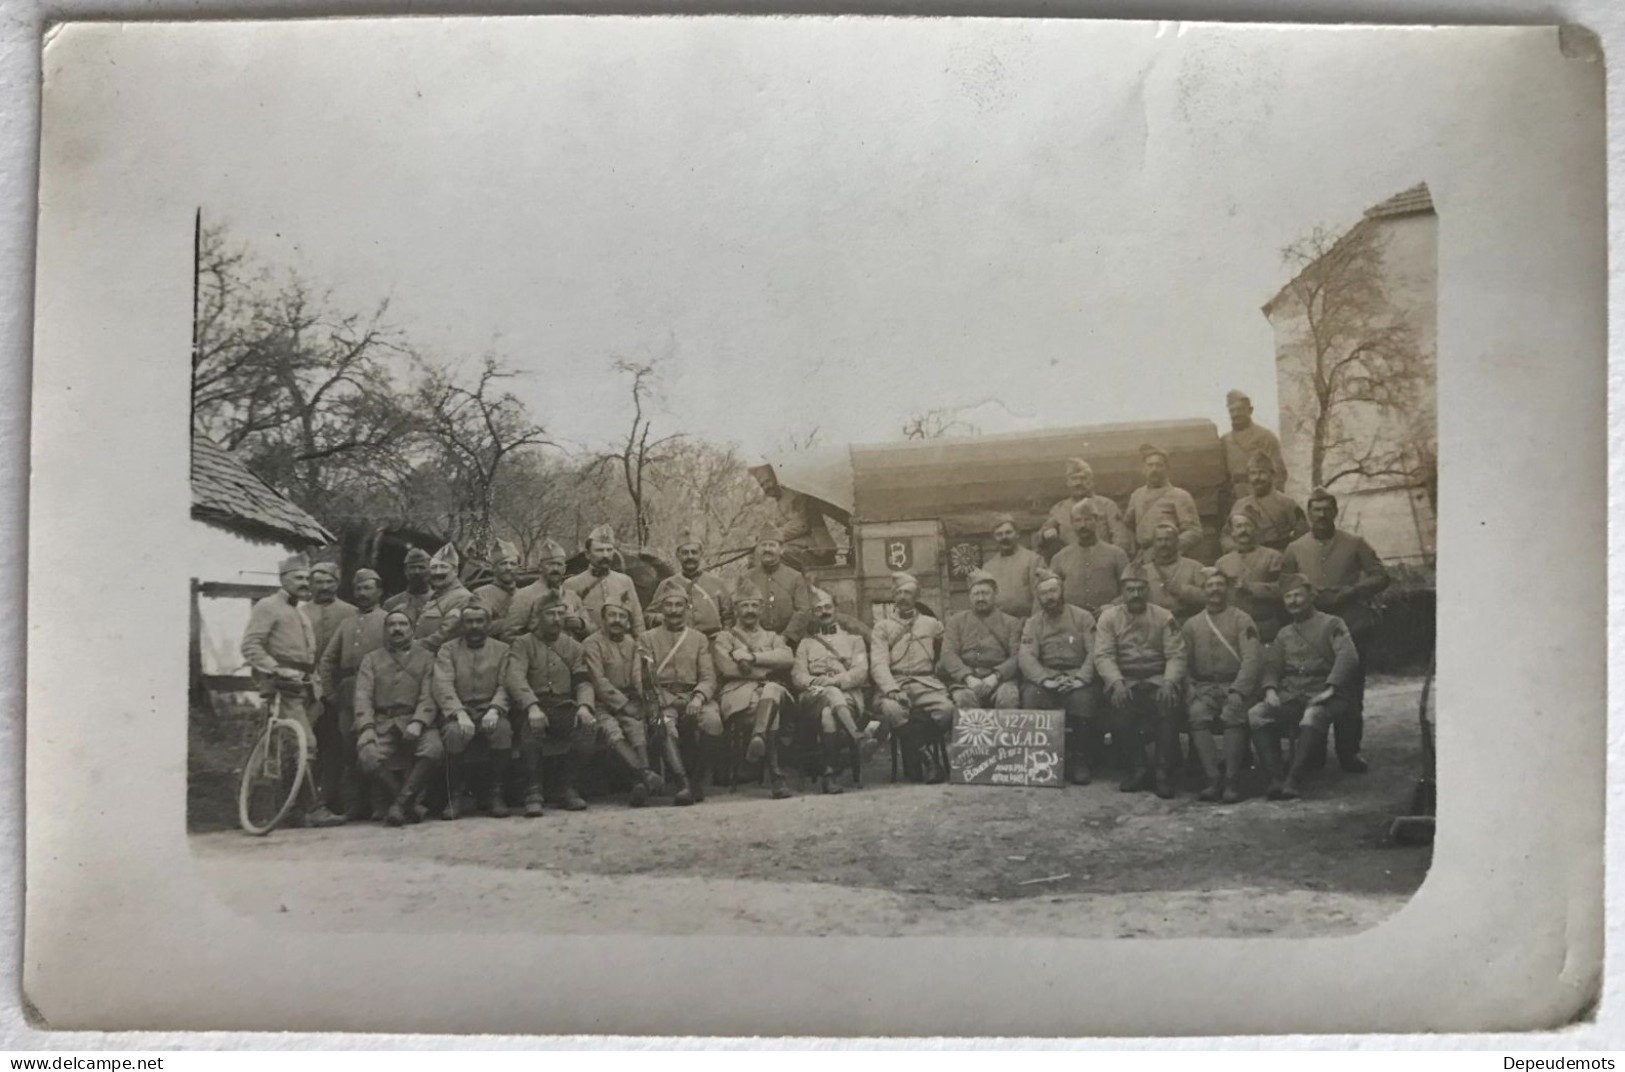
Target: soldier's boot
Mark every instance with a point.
(1307, 737)
(760, 723)
(1267, 750)
(852, 739)
(454, 789)
(1137, 761)
(317, 813)
(830, 746)
(362, 800)
(1077, 761)
(642, 776)
(1166, 761)
(570, 770)
(775, 777)
(1235, 755)
(496, 790)
(405, 805)
(533, 785)
(384, 785)
(696, 763)
(1208, 751)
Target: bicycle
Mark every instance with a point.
(276, 771)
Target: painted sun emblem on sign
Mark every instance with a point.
(977, 729)
(963, 558)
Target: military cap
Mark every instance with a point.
(1077, 466)
(325, 566)
(553, 551)
(601, 534)
(1135, 571)
(416, 554)
(447, 556)
(1247, 512)
(365, 574)
(1234, 395)
(770, 532)
(746, 592)
(819, 598)
(1042, 576)
(1149, 450)
(688, 538)
(901, 580)
(504, 553)
(669, 588)
(1289, 581)
(294, 562)
(1004, 519)
(980, 576)
(618, 608)
(1207, 573)
(473, 606)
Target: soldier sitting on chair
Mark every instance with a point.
(912, 701)
(473, 701)
(553, 708)
(395, 718)
(686, 683)
(1141, 659)
(831, 671)
(1057, 663)
(748, 658)
(615, 659)
(1225, 653)
(979, 649)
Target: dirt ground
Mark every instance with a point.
(880, 860)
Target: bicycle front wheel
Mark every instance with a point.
(275, 772)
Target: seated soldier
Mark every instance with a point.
(468, 681)
(620, 683)
(979, 648)
(1057, 664)
(747, 659)
(1140, 657)
(552, 699)
(1309, 673)
(1176, 581)
(831, 671)
(910, 699)
(686, 683)
(395, 718)
(1225, 653)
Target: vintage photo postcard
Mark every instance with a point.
(839, 526)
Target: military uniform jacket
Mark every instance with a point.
(1224, 648)
(972, 644)
(594, 592)
(616, 668)
(1060, 643)
(1307, 656)
(410, 602)
(496, 600)
(1240, 446)
(325, 619)
(471, 678)
(1014, 572)
(1280, 520)
(279, 634)
(842, 657)
(1176, 585)
(1148, 505)
(709, 606)
(1344, 561)
(543, 672)
(805, 623)
(1091, 577)
(440, 620)
(395, 686)
(1138, 647)
(516, 622)
(1255, 582)
(904, 651)
(349, 644)
(739, 685)
(683, 663)
(1109, 524)
(784, 591)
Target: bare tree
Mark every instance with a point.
(1362, 384)
(707, 489)
(638, 454)
(937, 423)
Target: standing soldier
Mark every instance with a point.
(602, 585)
(1057, 665)
(497, 597)
(686, 683)
(280, 646)
(1309, 677)
(620, 681)
(903, 653)
(1140, 657)
(1277, 517)
(1108, 518)
(831, 671)
(751, 663)
(708, 604)
(473, 701)
(326, 610)
(1226, 655)
(979, 648)
(1013, 567)
(355, 636)
(784, 590)
(440, 619)
(417, 585)
(552, 696)
(1244, 441)
(1255, 576)
(518, 620)
(1176, 581)
(395, 718)
(1091, 571)
(1149, 504)
(1345, 574)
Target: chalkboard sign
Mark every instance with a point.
(1008, 748)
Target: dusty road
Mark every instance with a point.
(882, 860)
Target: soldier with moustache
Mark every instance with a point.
(416, 594)
(349, 643)
(1140, 657)
(472, 695)
(521, 609)
(710, 607)
(622, 676)
(396, 719)
(685, 679)
(784, 590)
(831, 672)
(1225, 656)
(1056, 659)
(440, 620)
(552, 695)
(603, 585)
(979, 648)
(752, 663)
(911, 700)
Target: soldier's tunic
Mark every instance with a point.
(804, 623)
(1175, 586)
(392, 689)
(618, 685)
(412, 603)
(279, 635)
(1255, 587)
(325, 619)
(553, 676)
(841, 657)
(1109, 524)
(710, 608)
(1144, 650)
(440, 619)
(1343, 561)
(1091, 577)
(1239, 447)
(902, 658)
(1279, 520)
(496, 600)
(784, 592)
(1059, 645)
(354, 638)
(1014, 572)
(516, 622)
(594, 592)
(471, 679)
(1224, 658)
(1303, 660)
(684, 669)
(743, 689)
(1147, 506)
(981, 645)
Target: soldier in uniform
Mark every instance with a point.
(686, 683)
(1013, 567)
(552, 696)
(1277, 516)
(395, 718)
(1091, 571)
(1345, 573)
(1056, 659)
(440, 620)
(1255, 576)
(979, 648)
(1225, 656)
(517, 622)
(1108, 518)
(417, 585)
(1150, 503)
(325, 609)
(1244, 441)
(355, 636)
(903, 652)
(1140, 657)
(752, 662)
(621, 679)
(1176, 581)
(709, 606)
(602, 585)
(469, 689)
(1309, 676)
(831, 671)
(280, 646)
(498, 595)
(784, 590)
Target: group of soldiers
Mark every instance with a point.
(1107, 620)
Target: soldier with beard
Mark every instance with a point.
(517, 622)
(395, 718)
(551, 689)
(470, 691)
(1057, 663)
(417, 585)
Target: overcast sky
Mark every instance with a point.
(816, 222)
